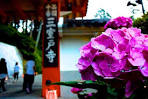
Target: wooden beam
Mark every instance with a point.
(2, 13)
(16, 5)
(3, 16)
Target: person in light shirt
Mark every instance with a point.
(29, 76)
(16, 71)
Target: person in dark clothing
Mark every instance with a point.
(24, 82)
(3, 73)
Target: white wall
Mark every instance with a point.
(11, 55)
(69, 51)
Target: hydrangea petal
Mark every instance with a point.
(76, 90)
(97, 69)
(106, 64)
(117, 35)
(119, 22)
(102, 42)
(136, 57)
(144, 69)
(88, 74)
(128, 89)
(81, 67)
(87, 50)
(86, 61)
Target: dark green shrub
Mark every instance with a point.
(142, 23)
(23, 42)
(38, 60)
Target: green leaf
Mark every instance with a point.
(111, 91)
(80, 84)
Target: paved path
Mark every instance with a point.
(14, 89)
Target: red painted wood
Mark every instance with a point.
(51, 73)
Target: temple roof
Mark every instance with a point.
(27, 9)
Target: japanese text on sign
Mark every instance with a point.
(50, 38)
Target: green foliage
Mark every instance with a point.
(112, 91)
(24, 43)
(38, 60)
(102, 14)
(106, 89)
(80, 84)
(142, 23)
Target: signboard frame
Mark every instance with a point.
(51, 36)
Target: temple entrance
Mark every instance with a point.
(28, 25)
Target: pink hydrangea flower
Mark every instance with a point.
(88, 74)
(144, 68)
(119, 22)
(102, 42)
(106, 65)
(87, 50)
(129, 89)
(136, 57)
(87, 54)
(117, 52)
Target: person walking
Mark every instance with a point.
(3, 73)
(16, 71)
(30, 72)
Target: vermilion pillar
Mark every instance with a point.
(51, 47)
